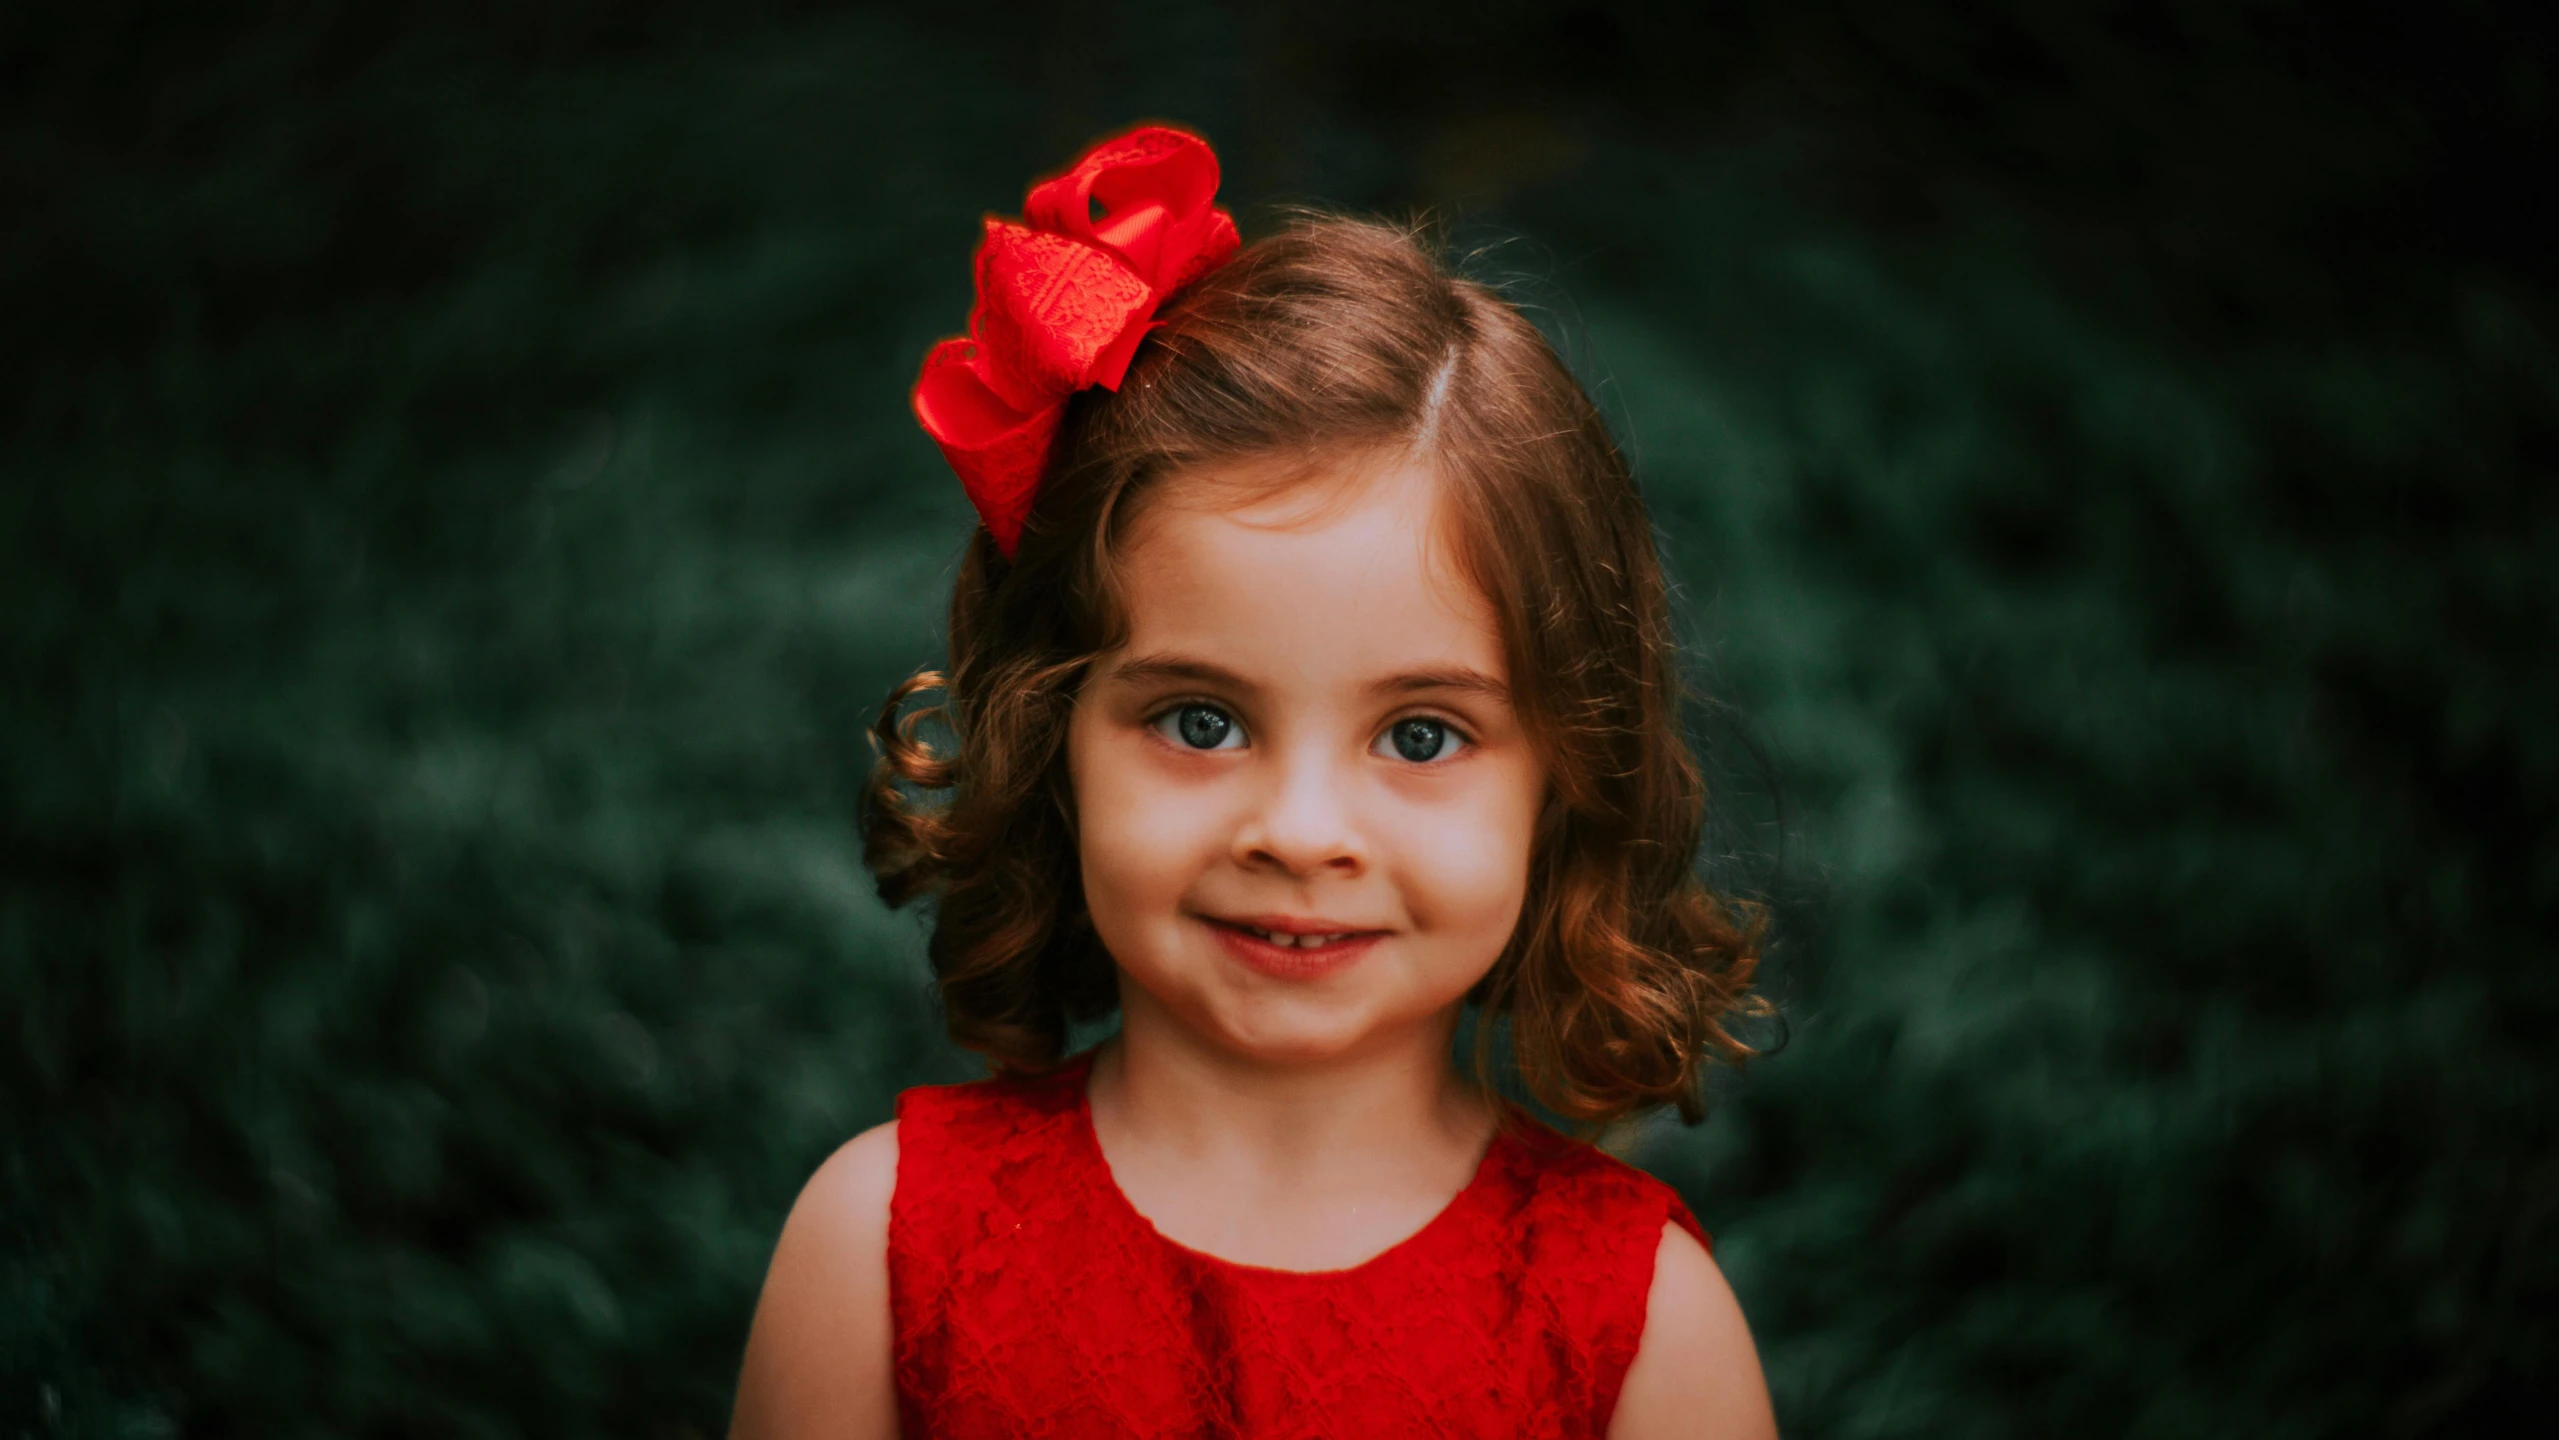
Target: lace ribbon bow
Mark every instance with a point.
(1062, 301)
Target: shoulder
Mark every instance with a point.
(1696, 1372)
(839, 1225)
(842, 1214)
(860, 1166)
(818, 1356)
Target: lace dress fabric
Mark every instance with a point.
(1031, 1300)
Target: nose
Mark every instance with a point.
(1304, 824)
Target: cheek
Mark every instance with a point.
(1466, 870)
(1137, 839)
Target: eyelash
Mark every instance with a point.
(1163, 719)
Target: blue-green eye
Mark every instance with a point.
(1200, 727)
(1421, 740)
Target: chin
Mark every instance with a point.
(1296, 1030)
(1286, 1023)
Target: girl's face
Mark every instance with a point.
(1305, 805)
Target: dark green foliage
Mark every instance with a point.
(460, 510)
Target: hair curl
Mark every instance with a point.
(1337, 336)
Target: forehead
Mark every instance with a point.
(1342, 567)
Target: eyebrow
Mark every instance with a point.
(1158, 669)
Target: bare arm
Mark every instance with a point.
(1696, 1374)
(817, 1361)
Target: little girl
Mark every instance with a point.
(1311, 683)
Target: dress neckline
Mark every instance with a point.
(1088, 1142)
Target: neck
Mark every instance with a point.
(1203, 1100)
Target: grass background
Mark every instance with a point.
(460, 507)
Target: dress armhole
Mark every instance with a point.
(1655, 1205)
(916, 1240)
(926, 1115)
(1686, 1219)
(916, 1132)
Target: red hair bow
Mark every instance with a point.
(1062, 301)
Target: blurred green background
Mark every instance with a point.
(460, 508)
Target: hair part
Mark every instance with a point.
(1339, 337)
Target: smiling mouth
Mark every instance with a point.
(1289, 948)
(1285, 940)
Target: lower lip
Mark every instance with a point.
(1289, 962)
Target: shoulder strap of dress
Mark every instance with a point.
(965, 1153)
(1600, 1182)
(970, 1158)
(1594, 1230)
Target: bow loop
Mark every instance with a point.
(1147, 195)
(996, 448)
(1063, 301)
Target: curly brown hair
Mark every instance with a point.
(1338, 337)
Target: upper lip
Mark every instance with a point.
(1295, 925)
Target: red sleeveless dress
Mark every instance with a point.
(1030, 1300)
